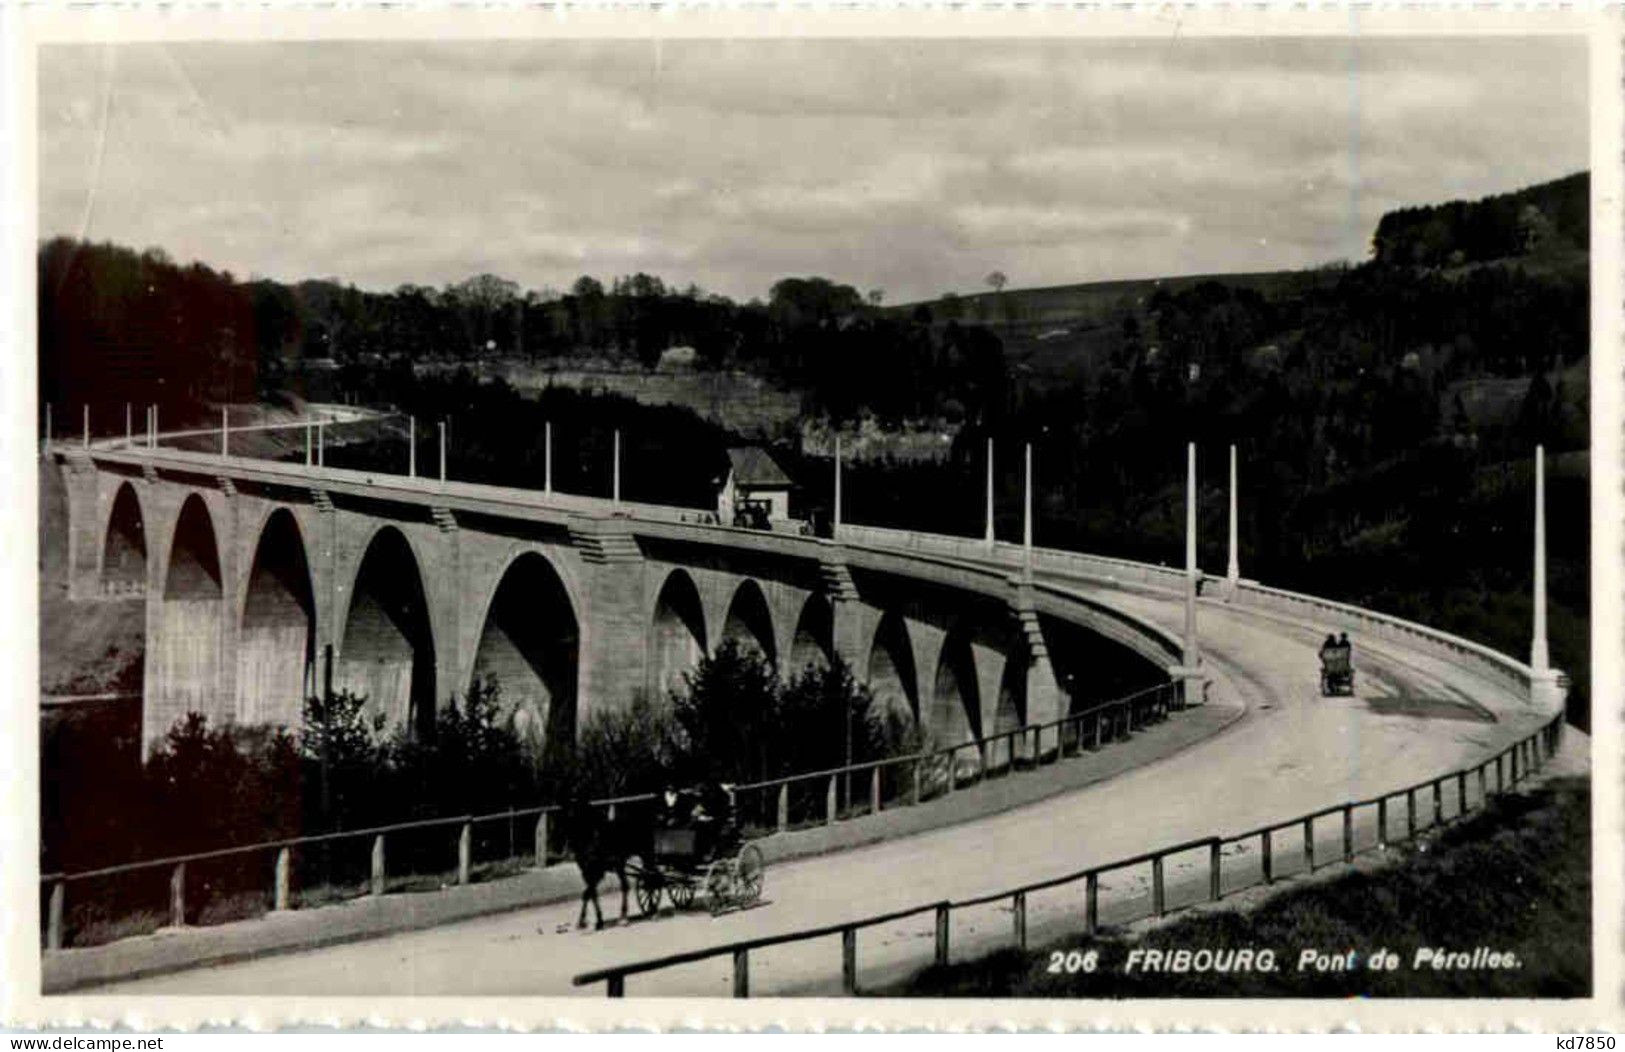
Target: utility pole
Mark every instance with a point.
(837, 484)
(1192, 657)
(1027, 517)
(1233, 571)
(547, 457)
(412, 447)
(1539, 654)
(988, 539)
(615, 478)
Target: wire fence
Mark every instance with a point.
(1448, 796)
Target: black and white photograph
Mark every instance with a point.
(906, 518)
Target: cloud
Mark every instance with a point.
(911, 165)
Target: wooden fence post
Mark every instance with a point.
(1091, 903)
(53, 926)
(1461, 793)
(1483, 784)
(280, 896)
(849, 961)
(541, 840)
(465, 852)
(829, 802)
(1348, 832)
(1309, 843)
(783, 816)
(1438, 802)
(177, 896)
(378, 864)
(953, 755)
(1158, 899)
(942, 934)
(914, 794)
(1382, 822)
(1410, 814)
(1214, 872)
(615, 986)
(1266, 850)
(874, 790)
(1018, 917)
(741, 973)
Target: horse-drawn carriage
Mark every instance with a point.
(693, 856)
(1336, 671)
(688, 844)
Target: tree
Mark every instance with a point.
(996, 281)
(876, 297)
(727, 709)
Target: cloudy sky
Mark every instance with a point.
(914, 167)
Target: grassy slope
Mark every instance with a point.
(1515, 878)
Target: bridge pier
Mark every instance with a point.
(82, 485)
(615, 618)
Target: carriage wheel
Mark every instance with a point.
(719, 885)
(682, 894)
(749, 869)
(648, 891)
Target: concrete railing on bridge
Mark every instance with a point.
(1294, 605)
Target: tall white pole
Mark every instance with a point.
(837, 480)
(310, 444)
(442, 451)
(547, 457)
(411, 446)
(988, 537)
(1539, 656)
(321, 443)
(155, 430)
(129, 426)
(225, 429)
(47, 427)
(1027, 514)
(1191, 655)
(1233, 571)
(615, 478)
(87, 426)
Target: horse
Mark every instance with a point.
(601, 845)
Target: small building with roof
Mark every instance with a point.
(755, 491)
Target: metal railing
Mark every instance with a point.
(1511, 765)
(1074, 734)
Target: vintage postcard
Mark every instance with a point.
(941, 519)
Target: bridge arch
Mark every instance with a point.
(276, 649)
(386, 646)
(187, 645)
(814, 642)
(124, 547)
(890, 669)
(529, 646)
(677, 632)
(956, 707)
(749, 621)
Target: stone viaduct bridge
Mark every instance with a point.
(266, 582)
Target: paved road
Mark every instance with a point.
(1293, 751)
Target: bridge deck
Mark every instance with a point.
(1414, 713)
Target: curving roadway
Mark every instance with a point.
(1414, 714)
